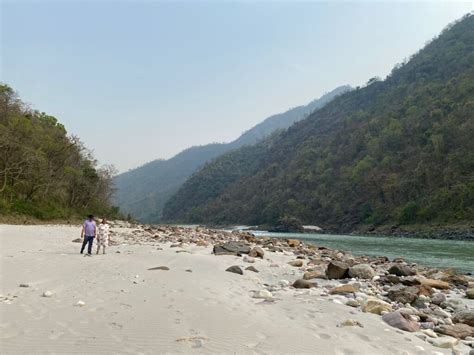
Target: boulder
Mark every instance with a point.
(402, 294)
(235, 269)
(231, 248)
(337, 270)
(401, 270)
(400, 321)
(256, 252)
(293, 243)
(361, 271)
(375, 305)
(248, 259)
(296, 263)
(442, 285)
(251, 268)
(459, 331)
(300, 283)
(465, 316)
(343, 290)
(438, 298)
(444, 342)
(308, 275)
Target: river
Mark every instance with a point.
(429, 252)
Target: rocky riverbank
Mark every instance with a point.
(435, 304)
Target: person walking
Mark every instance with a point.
(103, 236)
(89, 231)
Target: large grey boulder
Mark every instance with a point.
(361, 271)
(337, 270)
(231, 248)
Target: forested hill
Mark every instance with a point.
(143, 192)
(44, 173)
(398, 151)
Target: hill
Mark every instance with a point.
(143, 192)
(44, 173)
(395, 152)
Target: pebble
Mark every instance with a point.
(352, 303)
(80, 303)
(262, 294)
(350, 323)
(24, 285)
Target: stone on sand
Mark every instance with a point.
(235, 269)
(400, 321)
(251, 268)
(343, 290)
(308, 275)
(350, 323)
(301, 283)
(47, 293)
(296, 263)
(164, 268)
(256, 252)
(375, 305)
(265, 294)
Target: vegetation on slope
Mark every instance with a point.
(143, 191)
(44, 173)
(395, 151)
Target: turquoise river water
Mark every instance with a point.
(429, 252)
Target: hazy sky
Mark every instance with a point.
(143, 80)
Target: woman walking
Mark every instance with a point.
(103, 236)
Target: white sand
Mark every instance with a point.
(129, 309)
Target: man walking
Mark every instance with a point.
(89, 232)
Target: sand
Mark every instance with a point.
(130, 309)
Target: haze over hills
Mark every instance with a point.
(143, 192)
(397, 151)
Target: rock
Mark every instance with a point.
(402, 294)
(465, 316)
(459, 331)
(457, 280)
(24, 285)
(47, 294)
(375, 305)
(231, 248)
(438, 298)
(308, 275)
(444, 342)
(296, 263)
(410, 281)
(350, 323)
(352, 303)
(248, 259)
(429, 332)
(256, 252)
(293, 243)
(454, 303)
(164, 268)
(401, 270)
(300, 283)
(343, 290)
(262, 294)
(470, 293)
(251, 268)
(235, 269)
(188, 270)
(80, 303)
(362, 271)
(337, 270)
(400, 321)
(442, 285)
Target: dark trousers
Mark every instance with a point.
(87, 240)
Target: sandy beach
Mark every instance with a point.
(113, 303)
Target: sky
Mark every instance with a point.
(141, 80)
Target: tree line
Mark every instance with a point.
(44, 172)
